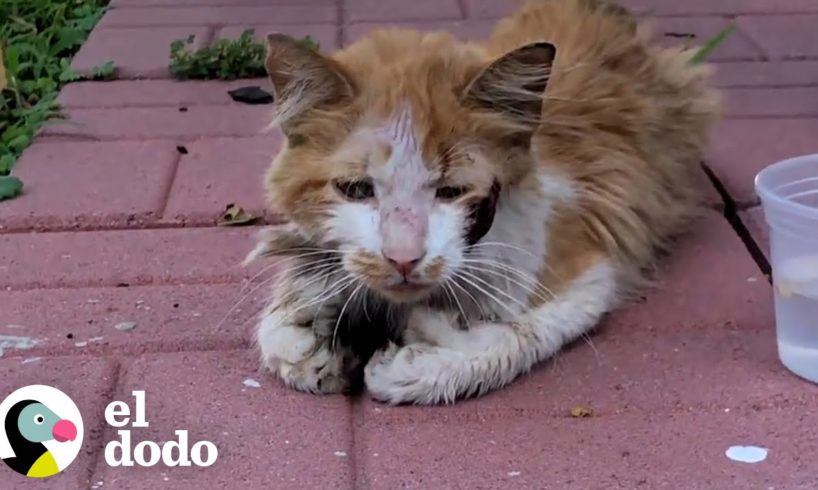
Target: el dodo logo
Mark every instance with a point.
(149, 453)
(41, 431)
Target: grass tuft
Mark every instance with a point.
(701, 55)
(225, 59)
(37, 40)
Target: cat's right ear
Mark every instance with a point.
(303, 80)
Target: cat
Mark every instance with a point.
(460, 211)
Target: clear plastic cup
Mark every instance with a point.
(789, 197)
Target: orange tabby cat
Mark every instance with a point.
(464, 210)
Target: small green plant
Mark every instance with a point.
(38, 39)
(311, 43)
(225, 59)
(104, 71)
(10, 187)
(708, 47)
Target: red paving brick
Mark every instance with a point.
(327, 35)
(742, 148)
(267, 437)
(772, 102)
(149, 93)
(377, 10)
(493, 9)
(722, 7)
(100, 184)
(218, 172)
(168, 318)
(136, 52)
(164, 122)
(218, 15)
(109, 258)
(767, 74)
(466, 30)
(736, 47)
(89, 383)
(489, 9)
(635, 450)
(674, 380)
(753, 219)
(784, 36)
(715, 381)
(708, 193)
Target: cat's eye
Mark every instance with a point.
(356, 190)
(448, 193)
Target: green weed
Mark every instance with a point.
(225, 59)
(708, 47)
(38, 39)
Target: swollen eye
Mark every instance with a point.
(39, 419)
(447, 193)
(355, 190)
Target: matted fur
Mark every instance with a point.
(591, 133)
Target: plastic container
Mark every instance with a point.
(789, 197)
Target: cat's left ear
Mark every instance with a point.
(513, 85)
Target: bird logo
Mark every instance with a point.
(42, 428)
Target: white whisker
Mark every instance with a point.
(495, 288)
(309, 266)
(343, 310)
(499, 244)
(278, 263)
(482, 290)
(590, 343)
(332, 290)
(530, 288)
(447, 288)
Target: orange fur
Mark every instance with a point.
(389, 69)
(567, 136)
(627, 121)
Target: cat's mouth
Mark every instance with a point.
(407, 291)
(409, 287)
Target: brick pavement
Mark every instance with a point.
(117, 225)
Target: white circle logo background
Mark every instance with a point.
(64, 452)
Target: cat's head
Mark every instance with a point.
(399, 147)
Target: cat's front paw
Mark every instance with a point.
(321, 372)
(415, 374)
(303, 361)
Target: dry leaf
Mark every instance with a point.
(234, 215)
(580, 411)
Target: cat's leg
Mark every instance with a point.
(442, 362)
(295, 337)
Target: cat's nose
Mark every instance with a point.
(404, 263)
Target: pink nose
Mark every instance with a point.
(405, 268)
(402, 261)
(64, 430)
